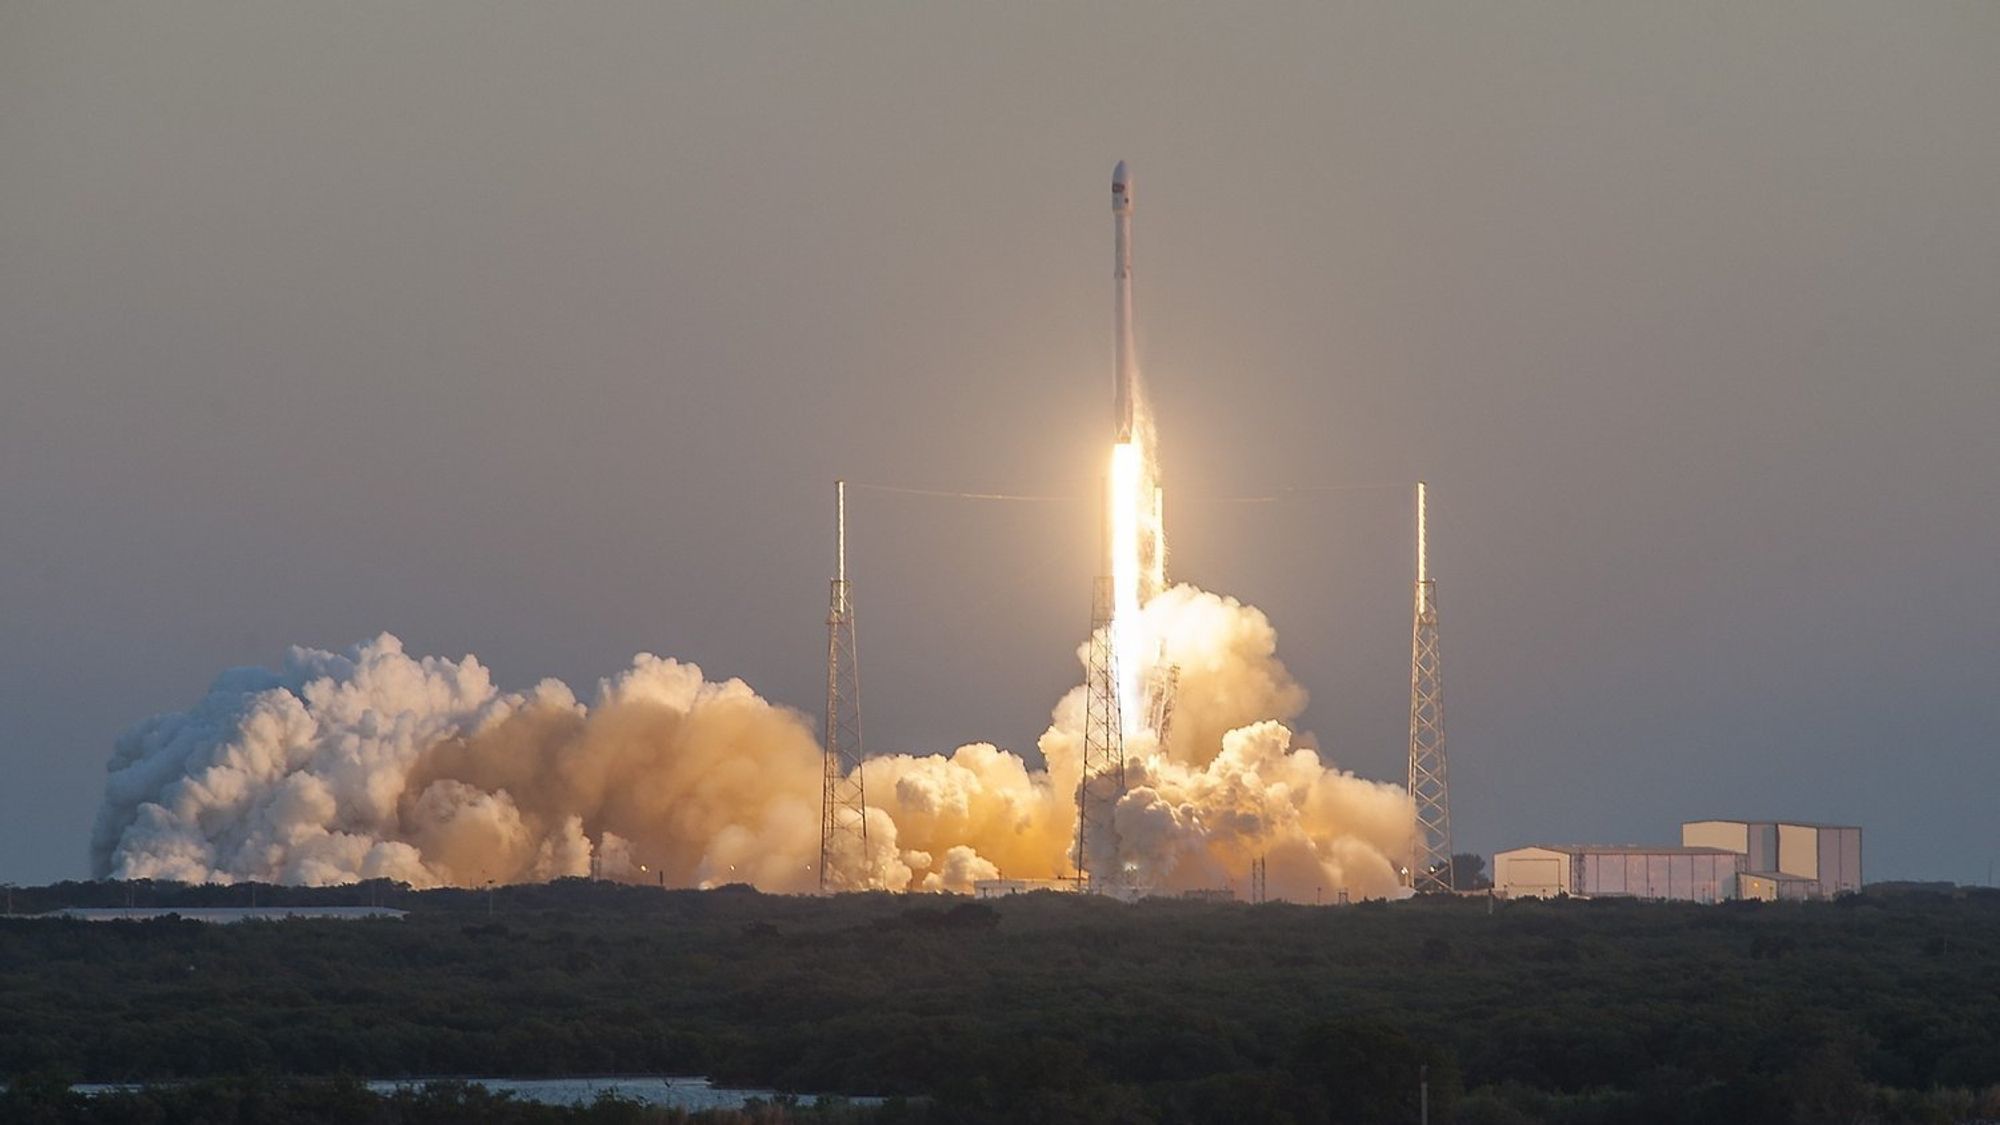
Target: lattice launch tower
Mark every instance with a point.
(1430, 864)
(1098, 865)
(843, 824)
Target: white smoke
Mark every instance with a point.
(373, 763)
(376, 764)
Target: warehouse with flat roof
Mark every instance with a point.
(1828, 856)
(1650, 871)
(1717, 860)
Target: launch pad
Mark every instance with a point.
(1125, 693)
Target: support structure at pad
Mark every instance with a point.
(1165, 682)
(1099, 866)
(843, 824)
(1430, 862)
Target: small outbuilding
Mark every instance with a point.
(1775, 886)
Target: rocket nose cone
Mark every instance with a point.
(1118, 177)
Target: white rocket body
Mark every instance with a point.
(1126, 376)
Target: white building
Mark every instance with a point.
(1653, 871)
(1829, 855)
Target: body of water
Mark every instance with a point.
(667, 1093)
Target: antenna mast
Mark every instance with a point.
(843, 824)
(1430, 867)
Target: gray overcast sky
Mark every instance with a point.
(540, 331)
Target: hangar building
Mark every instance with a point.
(1828, 856)
(1773, 860)
(1659, 871)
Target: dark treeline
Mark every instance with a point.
(1050, 1007)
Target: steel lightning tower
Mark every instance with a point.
(1430, 866)
(843, 821)
(1098, 865)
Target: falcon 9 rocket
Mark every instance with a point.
(1127, 374)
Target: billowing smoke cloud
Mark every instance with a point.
(373, 763)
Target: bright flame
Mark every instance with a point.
(1128, 493)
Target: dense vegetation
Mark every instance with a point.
(1051, 1007)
